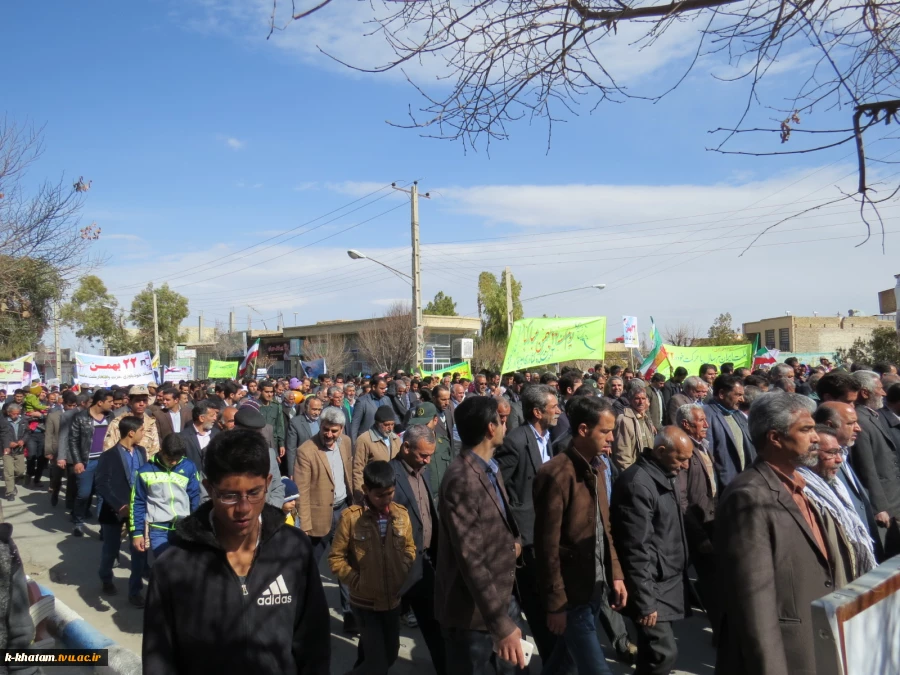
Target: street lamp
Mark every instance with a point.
(599, 287)
(356, 255)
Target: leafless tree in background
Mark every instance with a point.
(511, 60)
(389, 343)
(332, 348)
(488, 353)
(681, 335)
(227, 344)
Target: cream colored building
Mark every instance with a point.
(814, 334)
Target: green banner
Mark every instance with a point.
(226, 370)
(692, 358)
(537, 342)
(464, 369)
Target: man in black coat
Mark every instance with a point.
(524, 450)
(413, 491)
(648, 528)
(200, 432)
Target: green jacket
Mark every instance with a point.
(443, 455)
(273, 415)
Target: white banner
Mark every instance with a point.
(18, 373)
(630, 331)
(106, 371)
(177, 373)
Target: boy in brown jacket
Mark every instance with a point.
(372, 553)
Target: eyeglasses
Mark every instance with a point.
(232, 498)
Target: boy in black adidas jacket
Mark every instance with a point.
(238, 591)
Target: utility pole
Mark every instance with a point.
(156, 328)
(419, 326)
(200, 328)
(231, 321)
(56, 346)
(249, 323)
(509, 303)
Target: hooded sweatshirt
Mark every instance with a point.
(200, 618)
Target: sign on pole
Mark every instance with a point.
(630, 331)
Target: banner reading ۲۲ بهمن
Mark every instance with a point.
(105, 371)
(538, 342)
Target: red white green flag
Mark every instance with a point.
(765, 357)
(657, 355)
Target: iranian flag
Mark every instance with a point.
(657, 355)
(765, 357)
(251, 356)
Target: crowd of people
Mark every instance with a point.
(545, 504)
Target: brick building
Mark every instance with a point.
(814, 334)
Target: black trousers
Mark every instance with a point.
(527, 586)
(420, 598)
(56, 478)
(36, 463)
(657, 651)
(705, 566)
(471, 652)
(379, 640)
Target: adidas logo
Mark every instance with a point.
(276, 594)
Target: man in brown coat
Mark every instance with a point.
(577, 564)
(378, 443)
(477, 549)
(773, 561)
(322, 475)
(634, 429)
(172, 417)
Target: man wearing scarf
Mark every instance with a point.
(851, 548)
(728, 437)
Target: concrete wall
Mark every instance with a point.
(818, 333)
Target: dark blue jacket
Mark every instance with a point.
(724, 451)
(111, 482)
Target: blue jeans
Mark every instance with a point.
(159, 540)
(112, 540)
(83, 496)
(580, 644)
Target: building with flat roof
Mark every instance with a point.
(814, 334)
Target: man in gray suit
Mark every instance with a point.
(773, 559)
(303, 427)
(366, 405)
(875, 458)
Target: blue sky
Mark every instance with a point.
(202, 138)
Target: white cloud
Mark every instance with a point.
(124, 237)
(670, 251)
(308, 185)
(232, 142)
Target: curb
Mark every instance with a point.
(69, 628)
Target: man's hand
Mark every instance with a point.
(649, 621)
(124, 511)
(61, 463)
(6, 451)
(518, 550)
(281, 452)
(138, 543)
(510, 649)
(883, 519)
(78, 468)
(556, 622)
(619, 595)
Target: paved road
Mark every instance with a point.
(68, 566)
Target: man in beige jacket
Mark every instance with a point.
(378, 443)
(138, 398)
(634, 429)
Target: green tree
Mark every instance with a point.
(882, 346)
(96, 316)
(442, 305)
(171, 309)
(721, 333)
(26, 312)
(492, 304)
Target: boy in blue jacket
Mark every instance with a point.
(167, 489)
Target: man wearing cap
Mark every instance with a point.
(248, 418)
(426, 414)
(138, 398)
(378, 443)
